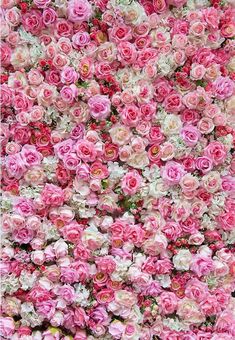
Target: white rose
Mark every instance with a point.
(182, 260)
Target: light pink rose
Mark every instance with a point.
(130, 115)
(223, 87)
(67, 293)
(79, 10)
(202, 265)
(15, 166)
(69, 93)
(22, 235)
(196, 290)
(116, 329)
(204, 164)
(80, 39)
(172, 173)
(30, 155)
(190, 135)
(69, 75)
(7, 327)
(24, 206)
(127, 53)
(172, 230)
(99, 106)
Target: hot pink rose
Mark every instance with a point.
(173, 103)
(216, 152)
(131, 183)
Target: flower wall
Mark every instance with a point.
(117, 140)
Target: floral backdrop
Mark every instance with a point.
(117, 140)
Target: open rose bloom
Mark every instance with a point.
(118, 169)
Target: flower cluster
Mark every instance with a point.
(117, 140)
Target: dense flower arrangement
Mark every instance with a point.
(118, 169)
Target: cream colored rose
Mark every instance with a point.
(212, 181)
(172, 125)
(125, 298)
(182, 260)
(230, 105)
(120, 134)
(188, 310)
(231, 65)
(92, 238)
(20, 57)
(138, 160)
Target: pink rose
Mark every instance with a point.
(168, 302)
(64, 148)
(7, 327)
(226, 221)
(202, 265)
(69, 75)
(52, 195)
(49, 16)
(223, 87)
(67, 293)
(172, 230)
(105, 296)
(32, 21)
(130, 115)
(79, 10)
(99, 106)
(22, 235)
(196, 290)
(190, 135)
(46, 308)
(116, 329)
(15, 166)
(41, 3)
(120, 33)
(173, 103)
(172, 172)
(131, 183)
(80, 39)
(216, 152)
(86, 150)
(159, 6)
(127, 53)
(72, 232)
(24, 207)
(6, 95)
(209, 305)
(69, 93)
(204, 164)
(5, 54)
(30, 155)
